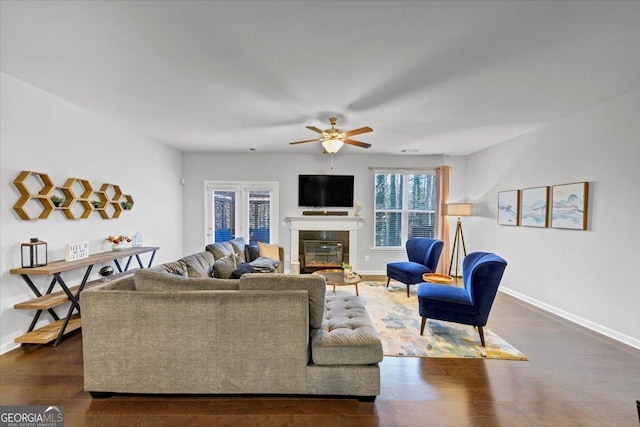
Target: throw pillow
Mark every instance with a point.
(270, 251)
(220, 250)
(252, 252)
(238, 245)
(224, 267)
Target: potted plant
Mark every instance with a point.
(95, 204)
(126, 205)
(57, 201)
(119, 242)
(346, 267)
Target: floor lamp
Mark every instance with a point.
(459, 210)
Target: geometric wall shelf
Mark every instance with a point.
(33, 186)
(79, 190)
(112, 193)
(36, 190)
(127, 203)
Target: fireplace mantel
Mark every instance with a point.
(325, 223)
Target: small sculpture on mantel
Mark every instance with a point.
(356, 209)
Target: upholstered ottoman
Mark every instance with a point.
(347, 336)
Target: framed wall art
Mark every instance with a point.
(508, 207)
(534, 204)
(569, 205)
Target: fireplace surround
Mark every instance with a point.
(326, 228)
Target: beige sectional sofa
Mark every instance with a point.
(172, 329)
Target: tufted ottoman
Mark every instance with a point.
(347, 336)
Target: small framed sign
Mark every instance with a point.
(75, 251)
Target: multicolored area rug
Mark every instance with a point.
(396, 319)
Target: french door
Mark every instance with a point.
(241, 209)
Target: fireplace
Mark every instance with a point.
(325, 229)
(319, 250)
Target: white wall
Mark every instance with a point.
(200, 167)
(587, 276)
(42, 133)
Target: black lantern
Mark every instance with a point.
(34, 253)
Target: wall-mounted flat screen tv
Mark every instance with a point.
(325, 191)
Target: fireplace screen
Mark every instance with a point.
(322, 254)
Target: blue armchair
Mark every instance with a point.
(482, 272)
(423, 254)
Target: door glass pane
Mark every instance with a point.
(388, 228)
(224, 212)
(259, 217)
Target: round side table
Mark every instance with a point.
(441, 279)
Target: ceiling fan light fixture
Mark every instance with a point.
(332, 145)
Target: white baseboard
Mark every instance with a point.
(625, 339)
(8, 347)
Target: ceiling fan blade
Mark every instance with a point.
(315, 129)
(307, 140)
(357, 143)
(358, 131)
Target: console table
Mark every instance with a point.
(60, 326)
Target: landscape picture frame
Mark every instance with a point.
(534, 207)
(509, 207)
(569, 205)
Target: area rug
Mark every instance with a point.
(396, 319)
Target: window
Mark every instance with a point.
(405, 205)
(241, 209)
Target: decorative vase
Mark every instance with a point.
(347, 273)
(118, 246)
(105, 272)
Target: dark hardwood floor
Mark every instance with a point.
(574, 377)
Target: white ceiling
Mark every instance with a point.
(429, 77)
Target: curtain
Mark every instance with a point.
(442, 222)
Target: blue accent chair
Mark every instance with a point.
(423, 254)
(471, 304)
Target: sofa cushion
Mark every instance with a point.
(150, 280)
(269, 251)
(347, 336)
(176, 267)
(315, 285)
(220, 249)
(199, 265)
(223, 267)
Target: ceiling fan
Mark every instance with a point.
(333, 139)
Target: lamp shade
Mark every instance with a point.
(332, 145)
(459, 209)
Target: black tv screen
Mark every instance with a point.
(324, 191)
